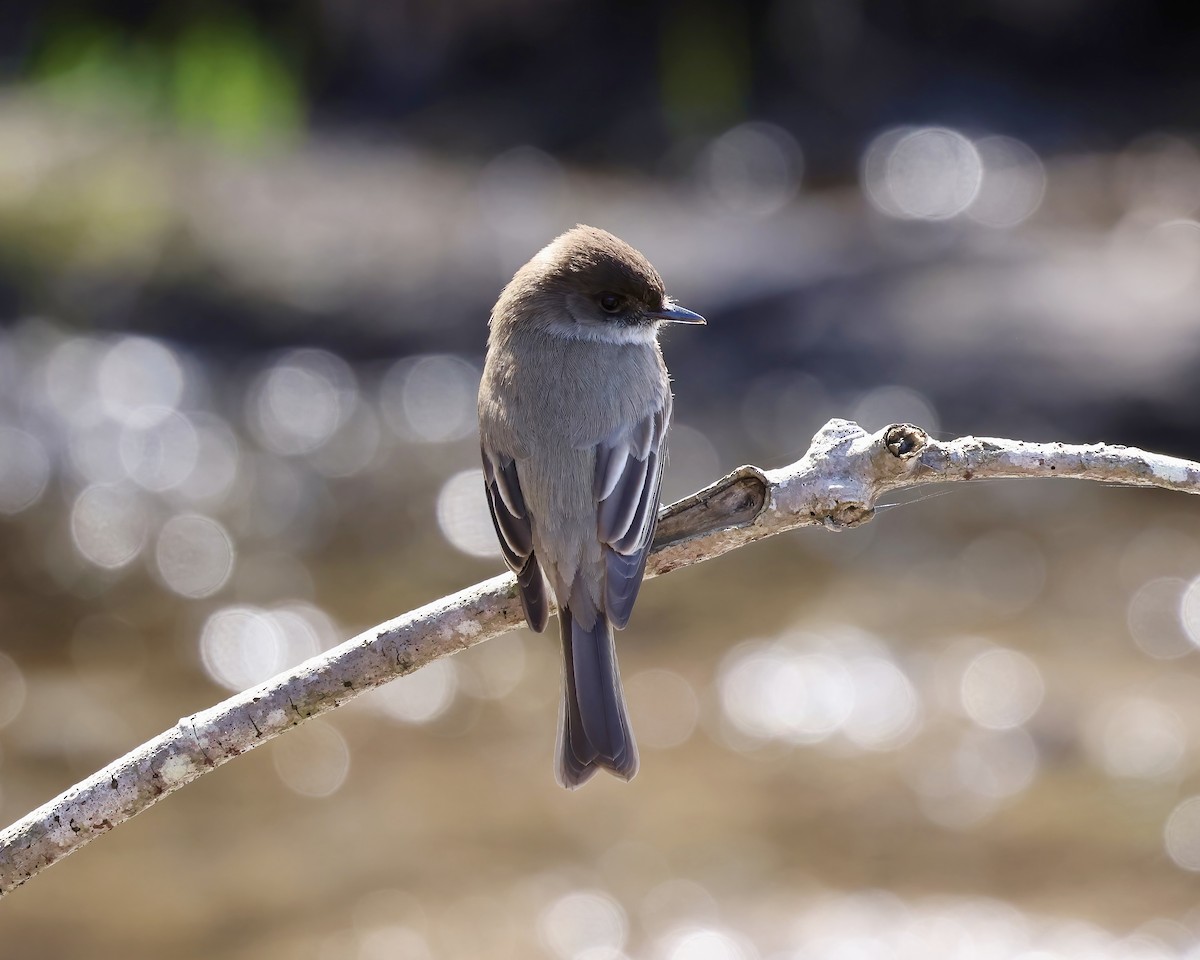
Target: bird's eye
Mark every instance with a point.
(610, 302)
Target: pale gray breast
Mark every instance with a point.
(591, 389)
(549, 402)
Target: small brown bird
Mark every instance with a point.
(573, 415)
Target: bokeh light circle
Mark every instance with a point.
(581, 922)
(241, 646)
(158, 448)
(69, 379)
(430, 399)
(24, 470)
(194, 555)
(1181, 835)
(420, 697)
(1013, 184)
(137, 373)
(768, 691)
(497, 667)
(1155, 619)
(752, 170)
(706, 943)
(390, 942)
(1189, 611)
(1001, 689)
(313, 760)
(218, 458)
(462, 515)
(301, 400)
(930, 173)
(886, 712)
(109, 525)
(1137, 738)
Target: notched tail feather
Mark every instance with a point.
(594, 729)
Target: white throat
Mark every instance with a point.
(569, 329)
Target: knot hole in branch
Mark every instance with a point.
(905, 440)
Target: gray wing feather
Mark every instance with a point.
(610, 462)
(509, 488)
(627, 515)
(619, 511)
(514, 530)
(643, 435)
(640, 520)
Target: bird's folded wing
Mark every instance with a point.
(629, 467)
(515, 532)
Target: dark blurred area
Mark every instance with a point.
(247, 254)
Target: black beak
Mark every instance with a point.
(671, 312)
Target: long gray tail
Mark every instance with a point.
(594, 727)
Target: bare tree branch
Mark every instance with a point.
(836, 484)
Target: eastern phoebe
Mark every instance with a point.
(573, 414)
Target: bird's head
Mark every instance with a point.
(589, 285)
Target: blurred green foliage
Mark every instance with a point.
(211, 73)
(706, 69)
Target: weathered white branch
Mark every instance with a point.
(836, 484)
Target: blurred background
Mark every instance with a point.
(247, 253)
